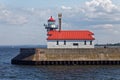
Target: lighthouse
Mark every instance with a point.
(51, 24)
(58, 38)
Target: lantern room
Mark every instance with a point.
(51, 24)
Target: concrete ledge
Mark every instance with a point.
(96, 56)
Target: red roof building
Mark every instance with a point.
(67, 38)
(70, 35)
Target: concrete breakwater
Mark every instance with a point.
(95, 56)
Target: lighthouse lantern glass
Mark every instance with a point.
(51, 24)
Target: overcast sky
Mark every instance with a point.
(21, 21)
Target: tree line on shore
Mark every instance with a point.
(108, 44)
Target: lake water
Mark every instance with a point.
(21, 72)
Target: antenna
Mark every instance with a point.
(60, 20)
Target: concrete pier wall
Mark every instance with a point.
(62, 55)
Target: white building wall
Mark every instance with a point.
(69, 44)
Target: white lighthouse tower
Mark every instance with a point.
(51, 24)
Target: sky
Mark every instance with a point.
(21, 21)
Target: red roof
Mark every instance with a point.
(70, 35)
(51, 19)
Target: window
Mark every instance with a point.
(75, 44)
(90, 42)
(84, 42)
(57, 42)
(64, 42)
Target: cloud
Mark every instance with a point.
(100, 16)
(8, 16)
(108, 28)
(66, 8)
(94, 12)
(104, 26)
(38, 12)
(105, 5)
(16, 19)
(96, 8)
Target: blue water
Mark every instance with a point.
(21, 72)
